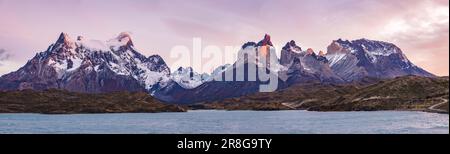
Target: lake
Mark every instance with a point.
(214, 121)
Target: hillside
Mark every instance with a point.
(64, 102)
(401, 93)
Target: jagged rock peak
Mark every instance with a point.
(321, 53)
(125, 37)
(64, 39)
(80, 38)
(310, 51)
(265, 41)
(292, 46)
(252, 44)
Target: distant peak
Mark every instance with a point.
(368, 41)
(80, 38)
(190, 69)
(180, 69)
(185, 69)
(63, 38)
(341, 41)
(321, 53)
(265, 41)
(365, 39)
(252, 44)
(310, 51)
(292, 42)
(121, 42)
(63, 35)
(291, 45)
(125, 37)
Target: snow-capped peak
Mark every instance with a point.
(262, 54)
(377, 48)
(117, 54)
(219, 70)
(121, 41)
(370, 47)
(337, 47)
(369, 58)
(291, 46)
(188, 79)
(125, 39)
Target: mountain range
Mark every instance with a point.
(92, 66)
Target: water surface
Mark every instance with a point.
(213, 121)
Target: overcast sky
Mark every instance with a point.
(419, 27)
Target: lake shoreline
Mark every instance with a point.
(188, 110)
(280, 106)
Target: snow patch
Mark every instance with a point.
(60, 67)
(118, 69)
(93, 45)
(183, 77)
(76, 63)
(335, 58)
(295, 49)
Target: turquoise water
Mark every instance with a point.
(212, 121)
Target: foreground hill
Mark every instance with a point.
(64, 102)
(300, 96)
(402, 93)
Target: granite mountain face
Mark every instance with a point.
(354, 60)
(230, 80)
(306, 65)
(92, 66)
(89, 66)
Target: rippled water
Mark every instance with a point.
(211, 121)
